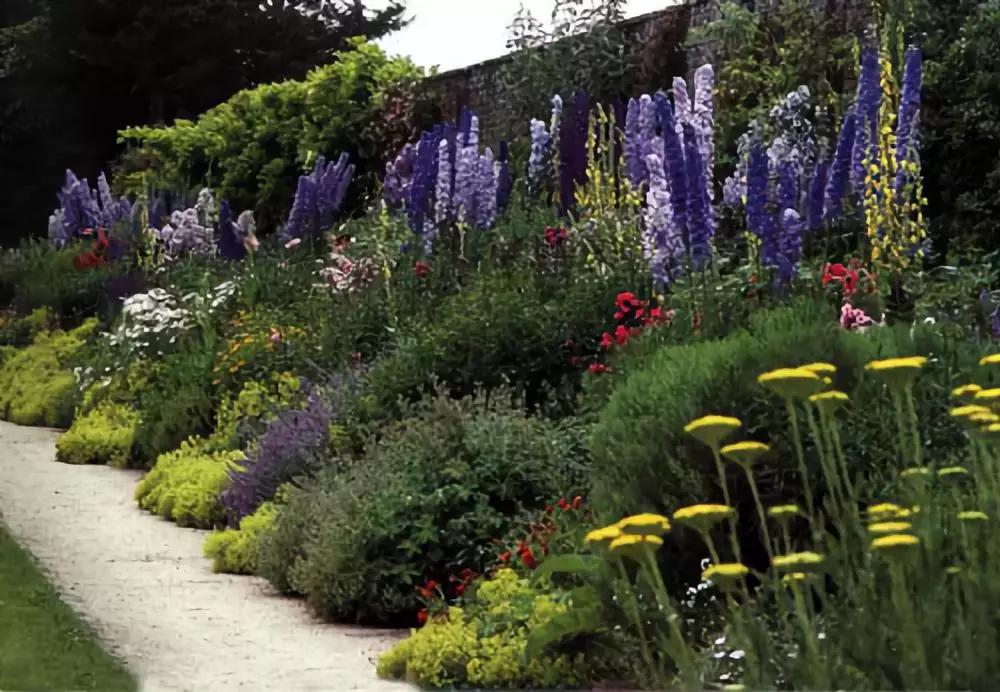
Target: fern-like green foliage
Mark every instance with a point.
(185, 484)
(37, 385)
(484, 644)
(104, 435)
(253, 147)
(235, 550)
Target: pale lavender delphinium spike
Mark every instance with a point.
(538, 159)
(466, 174)
(703, 119)
(486, 195)
(442, 188)
(662, 241)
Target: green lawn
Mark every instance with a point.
(43, 645)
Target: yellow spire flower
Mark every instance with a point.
(895, 542)
(807, 561)
(644, 525)
(712, 430)
(703, 517)
(898, 373)
(602, 538)
(745, 453)
(726, 574)
(792, 383)
(973, 515)
(887, 527)
(966, 391)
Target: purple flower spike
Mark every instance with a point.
(840, 170)
(634, 164)
(674, 165)
(700, 218)
(573, 151)
(230, 244)
(909, 113)
(505, 183)
(757, 191)
(318, 198)
(817, 195)
(869, 99)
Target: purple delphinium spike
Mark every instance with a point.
(442, 186)
(290, 445)
(634, 164)
(109, 207)
(302, 207)
(816, 196)
(662, 243)
(486, 194)
(909, 113)
(700, 216)
(230, 243)
(318, 198)
(869, 100)
(398, 177)
(646, 133)
(424, 176)
(788, 187)
(841, 169)
(703, 119)
(674, 165)
(573, 151)
(505, 184)
(789, 245)
(466, 175)
(757, 191)
(683, 111)
(538, 159)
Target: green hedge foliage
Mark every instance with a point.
(235, 550)
(37, 385)
(104, 435)
(252, 148)
(427, 500)
(185, 484)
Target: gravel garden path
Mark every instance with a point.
(152, 598)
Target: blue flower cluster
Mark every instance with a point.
(81, 207)
(318, 198)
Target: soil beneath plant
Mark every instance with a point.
(151, 597)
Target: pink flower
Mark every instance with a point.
(854, 318)
(293, 243)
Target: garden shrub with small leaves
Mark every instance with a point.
(185, 484)
(37, 385)
(483, 644)
(235, 550)
(104, 435)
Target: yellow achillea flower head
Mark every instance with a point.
(897, 372)
(796, 577)
(895, 542)
(703, 517)
(807, 561)
(602, 538)
(634, 545)
(644, 525)
(981, 418)
(821, 368)
(830, 402)
(783, 511)
(953, 570)
(886, 510)
(916, 472)
(726, 574)
(792, 383)
(992, 359)
(745, 453)
(973, 515)
(989, 397)
(966, 391)
(712, 430)
(968, 410)
(887, 527)
(952, 473)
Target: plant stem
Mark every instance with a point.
(918, 447)
(683, 657)
(793, 419)
(760, 512)
(633, 603)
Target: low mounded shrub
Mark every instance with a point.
(235, 550)
(429, 499)
(185, 484)
(483, 644)
(37, 385)
(104, 435)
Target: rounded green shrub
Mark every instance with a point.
(184, 485)
(428, 499)
(235, 550)
(37, 384)
(483, 645)
(104, 435)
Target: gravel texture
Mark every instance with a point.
(151, 597)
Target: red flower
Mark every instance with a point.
(421, 269)
(528, 558)
(422, 616)
(563, 505)
(556, 236)
(504, 556)
(625, 300)
(548, 510)
(847, 278)
(577, 501)
(427, 591)
(87, 260)
(598, 368)
(606, 341)
(460, 589)
(621, 335)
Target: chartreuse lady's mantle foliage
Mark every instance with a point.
(235, 550)
(103, 435)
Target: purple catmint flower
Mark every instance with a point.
(662, 242)
(398, 177)
(634, 163)
(289, 447)
(869, 99)
(443, 183)
(486, 194)
(758, 175)
(816, 195)
(539, 163)
(700, 215)
(841, 169)
(505, 184)
(909, 113)
(674, 165)
(573, 151)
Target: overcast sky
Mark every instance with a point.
(456, 33)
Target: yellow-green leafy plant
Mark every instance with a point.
(37, 384)
(235, 550)
(484, 643)
(104, 435)
(184, 485)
